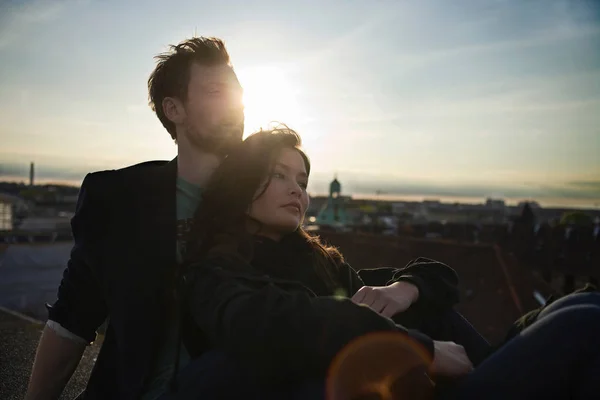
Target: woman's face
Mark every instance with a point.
(280, 209)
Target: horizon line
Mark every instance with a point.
(510, 201)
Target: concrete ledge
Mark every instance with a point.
(21, 316)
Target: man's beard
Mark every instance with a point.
(219, 139)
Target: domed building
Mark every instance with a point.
(333, 212)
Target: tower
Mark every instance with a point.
(335, 189)
(333, 212)
(31, 174)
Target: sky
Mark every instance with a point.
(466, 98)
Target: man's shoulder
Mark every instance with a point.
(126, 174)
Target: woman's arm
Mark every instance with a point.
(279, 332)
(436, 281)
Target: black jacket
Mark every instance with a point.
(121, 268)
(278, 317)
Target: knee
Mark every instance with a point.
(589, 298)
(583, 298)
(577, 318)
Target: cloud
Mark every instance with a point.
(478, 191)
(498, 105)
(482, 30)
(553, 36)
(584, 189)
(46, 172)
(336, 50)
(590, 186)
(356, 182)
(510, 103)
(17, 18)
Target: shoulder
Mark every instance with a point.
(143, 166)
(129, 174)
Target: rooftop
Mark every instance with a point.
(19, 336)
(495, 291)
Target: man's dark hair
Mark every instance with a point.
(171, 76)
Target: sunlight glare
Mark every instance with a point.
(270, 96)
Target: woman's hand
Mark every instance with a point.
(450, 360)
(387, 300)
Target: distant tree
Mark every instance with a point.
(384, 207)
(576, 218)
(367, 208)
(405, 216)
(527, 216)
(28, 194)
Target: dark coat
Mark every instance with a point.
(121, 268)
(276, 315)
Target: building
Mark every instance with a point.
(11, 207)
(495, 204)
(333, 212)
(41, 224)
(6, 216)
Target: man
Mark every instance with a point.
(127, 230)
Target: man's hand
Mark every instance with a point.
(450, 360)
(387, 300)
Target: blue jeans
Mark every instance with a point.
(557, 357)
(453, 327)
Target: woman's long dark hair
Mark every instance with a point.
(220, 223)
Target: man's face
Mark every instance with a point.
(214, 112)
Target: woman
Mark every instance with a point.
(261, 304)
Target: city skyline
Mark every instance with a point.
(469, 99)
(398, 191)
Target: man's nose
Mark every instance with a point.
(236, 98)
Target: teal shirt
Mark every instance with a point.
(187, 198)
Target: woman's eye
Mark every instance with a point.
(278, 175)
(303, 185)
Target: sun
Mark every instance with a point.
(270, 96)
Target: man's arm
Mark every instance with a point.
(56, 359)
(79, 309)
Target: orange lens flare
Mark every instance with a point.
(383, 366)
